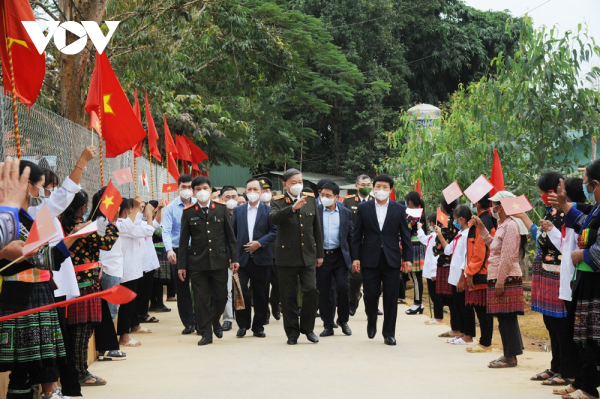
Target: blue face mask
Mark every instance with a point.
(472, 208)
(456, 224)
(590, 196)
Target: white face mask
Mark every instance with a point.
(231, 204)
(186, 193)
(296, 189)
(495, 215)
(327, 202)
(253, 197)
(265, 197)
(382, 195)
(203, 195)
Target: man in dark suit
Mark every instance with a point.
(265, 198)
(206, 260)
(378, 256)
(254, 235)
(299, 251)
(336, 222)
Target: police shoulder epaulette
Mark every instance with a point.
(278, 197)
(350, 196)
(220, 202)
(308, 194)
(189, 206)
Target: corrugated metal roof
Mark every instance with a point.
(315, 177)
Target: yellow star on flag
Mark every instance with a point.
(516, 206)
(168, 188)
(107, 108)
(124, 176)
(21, 42)
(453, 192)
(442, 218)
(108, 201)
(478, 189)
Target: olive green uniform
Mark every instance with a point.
(298, 245)
(351, 202)
(206, 260)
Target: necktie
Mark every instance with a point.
(205, 210)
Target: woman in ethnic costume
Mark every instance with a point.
(414, 201)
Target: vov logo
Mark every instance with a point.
(59, 32)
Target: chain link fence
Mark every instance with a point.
(55, 143)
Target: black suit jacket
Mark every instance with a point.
(368, 240)
(346, 230)
(264, 232)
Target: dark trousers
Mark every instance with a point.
(80, 335)
(486, 323)
(438, 303)
(145, 290)
(454, 320)
(590, 375)
(512, 343)
(156, 298)
(355, 284)
(258, 276)
(184, 296)
(171, 285)
(333, 269)
(372, 280)
(106, 335)
(288, 284)
(275, 297)
(21, 381)
(466, 320)
(564, 351)
(210, 288)
(402, 287)
(128, 316)
(68, 372)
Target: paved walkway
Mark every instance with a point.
(171, 365)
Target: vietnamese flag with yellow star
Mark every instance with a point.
(442, 218)
(28, 65)
(478, 189)
(152, 133)
(110, 201)
(95, 123)
(452, 192)
(197, 154)
(515, 205)
(121, 129)
(169, 188)
(123, 176)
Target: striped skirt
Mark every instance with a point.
(587, 312)
(442, 287)
(476, 297)
(544, 293)
(33, 341)
(510, 302)
(418, 256)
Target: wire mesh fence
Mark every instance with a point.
(55, 143)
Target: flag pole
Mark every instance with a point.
(134, 174)
(14, 99)
(151, 174)
(100, 149)
(168, 194)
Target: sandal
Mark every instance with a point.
(148, 319)
(99, 381)
(538, 377)
(448, 334)
(461, 341)
(401, 301)
(142, 330)
(478, 349)
(564, 391)
(553, 381)
(132, 342)
(112, 355)
(497, 364)
(578, 394)
(433, 322)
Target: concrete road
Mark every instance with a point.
(171, 365)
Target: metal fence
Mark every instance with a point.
(55, 143)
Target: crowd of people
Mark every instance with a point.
(227, 258)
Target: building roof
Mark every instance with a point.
(315, 177)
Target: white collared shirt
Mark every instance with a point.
(430, 264)
(458, 249)
(130, 234)
(381, 212)
(252, 213)
(566, 246)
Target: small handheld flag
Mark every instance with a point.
(169, 188)
(123, 176)
(452, 192)
(90, 228)
(144, 178)
(515, 205)
(478, 189)
(442, 218)
(110, 201)
(42, 231)
(415, 213)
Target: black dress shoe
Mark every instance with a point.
(227, 326)
(345, 329)
(188, 330)
(312, 337)
(277, 315)
(335, 325)
(326, 332)
(379, 312)
(205, 341)
(241, 332)
(162, 308)
(390, 341)
(266, 322)
(218, 330)
(260, 334)
(292, 341)
(352, 310)
(371, 331)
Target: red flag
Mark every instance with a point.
(169, 188)
(171, 148)
(195, 173)
(183, 151)
(95, 123)
(418, 188)
(137, 149)
(515, 205)
(110, 201)
(120, 128)
(152, 133)
(144, 178)
(197, 154)
(42, 231)
(173, 167)
(496, 178)
(452, 192)
(123, 176)
(28, 65)
(393, 195)
(186, 168)
(478, 189)
(442, 218)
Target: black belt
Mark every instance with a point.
(332, 251)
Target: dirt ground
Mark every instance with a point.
(535, 335)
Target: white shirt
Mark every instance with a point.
(149, 256)
(430, 264)
(112, 261)
(458, 249)
(381, 211)
(566, 246)
(252, 212)
(132, 247)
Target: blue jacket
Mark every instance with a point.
(368, 240)
(264, 232)
(346, 230)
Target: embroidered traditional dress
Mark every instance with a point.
(418, 248)
(442, 287)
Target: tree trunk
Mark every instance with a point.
(74, 68)
(594, 146)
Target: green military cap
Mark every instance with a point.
(265, 183)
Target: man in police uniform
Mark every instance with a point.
(363, 187)
(299, 250)
(265, 196)
(208, 257)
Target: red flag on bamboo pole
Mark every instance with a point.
(172, 166)
(120, 128)
(197, 154)
(183, 150)
(152, 133)
(170, 146)
(496, 178)
(137, 149)
(418, 188)
(23, 67)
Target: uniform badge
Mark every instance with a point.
(213, 206)
(197, 208)
(287, 200)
